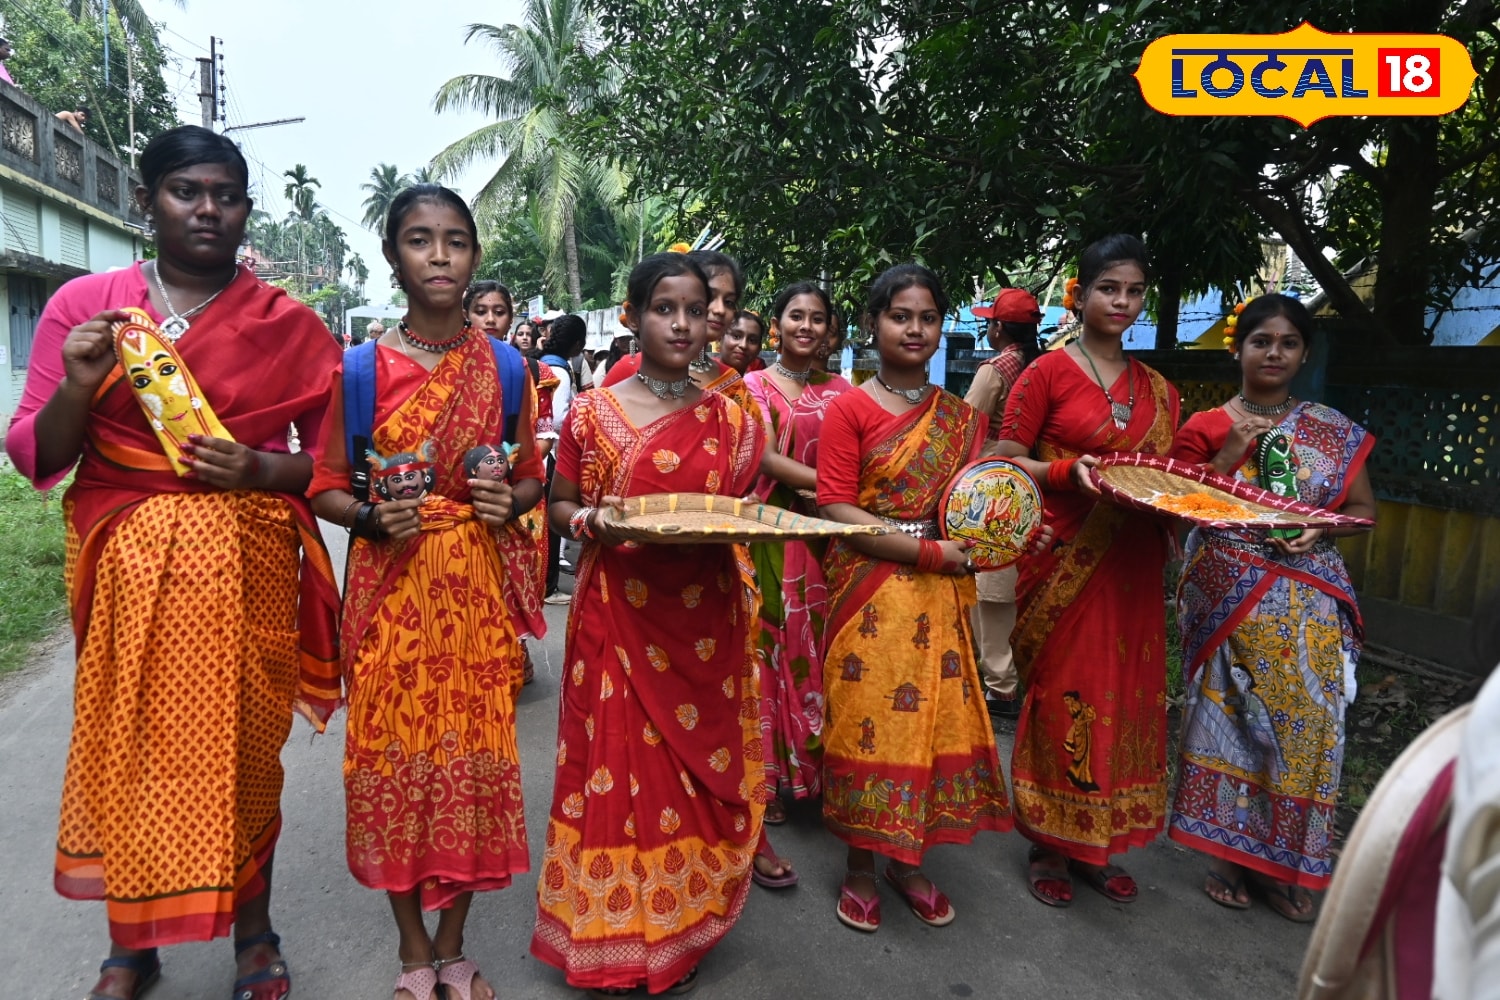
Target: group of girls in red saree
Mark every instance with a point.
(697, 684)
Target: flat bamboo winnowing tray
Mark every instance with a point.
(693, 518)
(1143, 481)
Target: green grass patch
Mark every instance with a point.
(32, 601)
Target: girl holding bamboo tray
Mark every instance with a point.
(441, 581)
(660, 781)
(1089, 768)
(909, 758)
(792, 399)
(1270, 629)
(198, 632)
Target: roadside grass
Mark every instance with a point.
(32, 600)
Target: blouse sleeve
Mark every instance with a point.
(1026, 408)
(43, 374)
(331, 455)
(569, 450)
(839, 453)
(1199, 440)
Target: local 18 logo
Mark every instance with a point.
(1305, 74)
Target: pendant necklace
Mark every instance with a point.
(785, 372)
(176, 323)
(1259, 410)
(432, 346)
(662, 388)
(913, 396)
(1118, 412)
(704, 362)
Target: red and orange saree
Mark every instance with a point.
(1089, 767)
(203, 617)
(658, 800)
(430, 641)
(909, 756)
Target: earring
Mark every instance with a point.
(396, 280)
(150, 226)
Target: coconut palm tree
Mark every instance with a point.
(384, 184)
(299, 191)
(361, 273)
(550, 80)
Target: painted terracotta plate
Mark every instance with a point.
(997, 506)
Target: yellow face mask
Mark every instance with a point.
(169, 396)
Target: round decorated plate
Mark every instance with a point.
(997, 506)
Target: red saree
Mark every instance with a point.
(171, 801)
(430, 639)
(1089, 768)
(658, 800)
(909, 756)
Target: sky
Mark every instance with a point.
(362, 73)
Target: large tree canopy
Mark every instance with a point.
(985, 137)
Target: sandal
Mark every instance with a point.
(1110, 881)
(1286, 899)
(146, 966)
(1044, 866)
(862, 914)
(775, 811)
(421, 982)
(1234, 888)
(785, 880)
(456, 974)
(685, 984)
(273, 981)
(930, 905)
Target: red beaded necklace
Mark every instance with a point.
(434, 346)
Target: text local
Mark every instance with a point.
(1314, 75)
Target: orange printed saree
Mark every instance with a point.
(909, 757)
(431, 772)
(1089, 766)
(660, 781)
(203, 617)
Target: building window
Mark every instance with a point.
(27, 296)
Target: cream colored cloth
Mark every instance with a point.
(994, 618)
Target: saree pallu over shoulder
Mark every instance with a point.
(431, 768)
(909, 759)
(1089, 765)
(658, 798)
(1269, 646)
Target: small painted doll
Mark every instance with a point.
(489, 462)
(407, 476)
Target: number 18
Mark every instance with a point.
(1409, 72)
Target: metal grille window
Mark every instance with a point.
(27, 296)
(75, 240)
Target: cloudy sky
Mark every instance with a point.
(362, 73)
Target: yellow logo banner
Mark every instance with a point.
(1305, 74)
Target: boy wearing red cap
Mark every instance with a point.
(1011, 329)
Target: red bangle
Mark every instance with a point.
(1060, 474)
(929, 556)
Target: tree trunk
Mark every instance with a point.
(1411, 172)
(1169, 306)
(570, 250)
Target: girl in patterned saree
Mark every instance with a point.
(430, 624)
(660, 775)
(171, 803)
(792, 400)
(1270, 631)
(1089, 767)
(909, 757)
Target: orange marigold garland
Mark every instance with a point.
(1203, 506)
(1070, 300)
(1230, 324)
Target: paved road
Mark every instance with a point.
(1172, 942)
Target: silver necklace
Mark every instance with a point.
(704, 362)
(912, 396)
(785, 372)
(177, 323)
(1258, 410)
(661, 388)
(1118, 412)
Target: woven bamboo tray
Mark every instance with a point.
(1142, 481)
(693, 518)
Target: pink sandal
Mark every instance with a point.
(862, 914)
(930, 906)
(457, 974)
(421, 982)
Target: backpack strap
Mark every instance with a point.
(512, 368)
(359, 415)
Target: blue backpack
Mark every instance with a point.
(359, 404)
